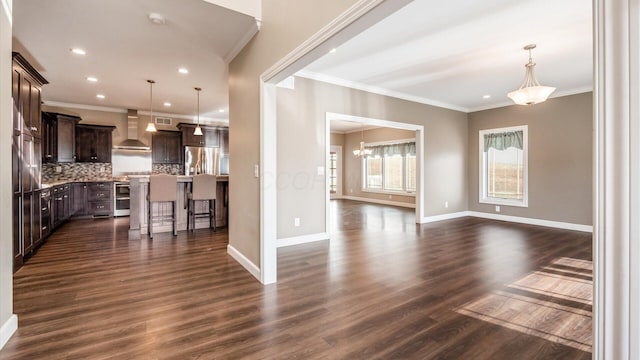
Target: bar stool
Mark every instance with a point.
(203, 188)
(162, 188)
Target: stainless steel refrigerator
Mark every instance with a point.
(205, 160)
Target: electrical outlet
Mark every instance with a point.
(446, 204)
(497, 208)
(256, 170)
(58, 169)
(101, 169)
(296, 222)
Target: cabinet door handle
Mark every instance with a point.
(49, 156)
(33, 128)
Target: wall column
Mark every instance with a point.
(617, 179)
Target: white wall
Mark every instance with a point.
(8, 321)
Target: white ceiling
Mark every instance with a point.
(124, 49)
(346, 126)
(451, 53)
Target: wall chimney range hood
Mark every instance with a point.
(132, 142)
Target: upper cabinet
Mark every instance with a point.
(93, 143)
(165, 147)
(58, 137)
(211, 136)
(26, 91)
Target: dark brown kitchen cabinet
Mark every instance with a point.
(93, 143)
(58, 137)
(26, 150)
(209, 137)
(45, 213)
(100, 198)
(165, 147)
(79, 192)
(60, 204)
(17, 235)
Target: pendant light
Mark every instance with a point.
(362, 151)
(530, 92)
(151, 127)
(198, 130)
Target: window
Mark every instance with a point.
(390, 168)
(503, 166)
(333, 172)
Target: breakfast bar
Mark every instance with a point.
(139, 188)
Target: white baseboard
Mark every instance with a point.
(455, 215)
(304, 239)
(8, 328)
(245, 262)
(530, 221)
(378, 201)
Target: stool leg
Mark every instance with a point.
(150, 220)
(214, 215)
(193, 215)
(188, 214)
(174, 217)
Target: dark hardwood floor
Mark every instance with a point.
(383, 288)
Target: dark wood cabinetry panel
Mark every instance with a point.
(79, 192)
(26, 150)
(100, 198)
(93, 143)
(165, 147)
(212, 136)
(17, 235)
(60, 204)
(58, 137)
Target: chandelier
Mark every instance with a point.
(362, 151)
(530, 92)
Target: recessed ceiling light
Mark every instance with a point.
(183, 71)
(486, 96)
(156, 18)
(92, 79)
(100, 96)
(333, 50)
(167, 104)
(78, 51)
(221, 110)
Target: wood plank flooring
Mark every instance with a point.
(384, 288)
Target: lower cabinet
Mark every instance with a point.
(100, 198)
(92, 199)
(61, 204)
(79, 192)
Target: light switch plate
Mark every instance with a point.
(256, 170)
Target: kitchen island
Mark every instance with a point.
(139, 188)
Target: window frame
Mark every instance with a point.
(482, 171)
(363, 167)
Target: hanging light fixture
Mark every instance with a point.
(530, 92)
(151, 127)
(362, 151)
(198, 130)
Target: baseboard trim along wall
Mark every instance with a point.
(455, 215)
(8, 328)
(515, 219)
(379, 201)
(246, 263)
(303, 239)
(530, 221)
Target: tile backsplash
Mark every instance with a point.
(171, 169)
(76, 171)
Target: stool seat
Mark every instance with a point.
(162, 188)
(203, 188)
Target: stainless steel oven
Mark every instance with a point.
(121, 198)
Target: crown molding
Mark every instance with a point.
(378, 90)
(244, 40)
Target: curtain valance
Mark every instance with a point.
(503, 141)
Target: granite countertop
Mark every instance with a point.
(181, 178)
(46, 185)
